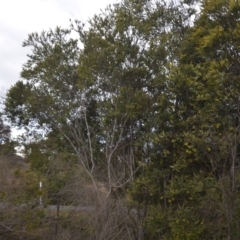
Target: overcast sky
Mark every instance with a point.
(18, 18)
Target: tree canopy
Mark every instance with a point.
(146, 102)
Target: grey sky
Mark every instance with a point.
(18, 18)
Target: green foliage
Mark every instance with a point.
(17, 99)
(6, 145)
(149, 106)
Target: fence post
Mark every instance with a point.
(40, 188)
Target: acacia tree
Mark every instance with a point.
(202, 142)
(216, 53)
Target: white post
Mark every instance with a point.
(40, 187)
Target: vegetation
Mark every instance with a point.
(139, 116)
